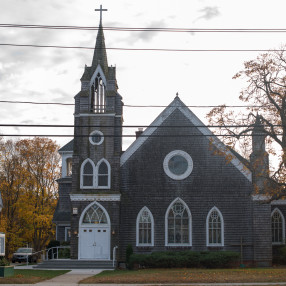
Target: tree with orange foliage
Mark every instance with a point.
(265, 94)
(28, 170)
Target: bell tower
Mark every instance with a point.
(97, 148)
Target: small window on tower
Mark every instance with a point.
(69, 166)
(103, 174)
(96, 137)
(87, 174)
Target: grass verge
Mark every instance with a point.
(30, 276)
(169, 276)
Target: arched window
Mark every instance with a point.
(87, 174)
(98, 95)
(95, 215)
(178, 224)
(215, 228)
(278, 227)
(145, 228)
(103, 174)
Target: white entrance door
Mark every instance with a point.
(94, 233)
(94, 243)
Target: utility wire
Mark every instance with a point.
(142, 49)
(148, 29)
(122, 136)
(139, 106)
(132, 126)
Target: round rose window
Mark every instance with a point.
(178, 165)
(96, 137)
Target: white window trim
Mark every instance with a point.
(190, 225)
(93, 133)
(184, 155)
(283, 227)
(137, 228)
(222, 228)
(2, 237)
(81, 175)
(109, 174)
(65, 157)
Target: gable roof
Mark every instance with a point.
(178, 104)
(68, 147)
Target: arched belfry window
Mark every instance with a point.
(87, 174)
(103, 174)
(215, 228)
(278, 227)
(98, 95)
(178, 224)
(145, 228)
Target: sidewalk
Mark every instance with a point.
(71, 278)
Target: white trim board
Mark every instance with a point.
(178, 104)
(98, 197)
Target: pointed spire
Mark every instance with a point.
(100, 55)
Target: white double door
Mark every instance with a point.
(94, 243)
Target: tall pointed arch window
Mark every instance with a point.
(178, 224)
(87, 174)
(103, 174)
(98, 97)
(278, 227)
(145, 228)
(215, 228)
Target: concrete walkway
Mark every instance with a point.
(71, 278)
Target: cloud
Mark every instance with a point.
(208, 13)
(145, 36)
(60, 95)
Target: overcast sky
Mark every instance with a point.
(144, 77)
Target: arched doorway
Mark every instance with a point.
(94, 233)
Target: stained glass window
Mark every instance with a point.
(178, 224)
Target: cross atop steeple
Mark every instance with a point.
(100, 10)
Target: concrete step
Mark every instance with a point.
(75, 264)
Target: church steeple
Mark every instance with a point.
(100, 55)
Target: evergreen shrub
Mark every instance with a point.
(279, 255)
(129, 252)
(184, 259)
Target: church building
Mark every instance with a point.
(176, 188)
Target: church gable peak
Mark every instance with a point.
(177, 104)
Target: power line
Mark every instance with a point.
(142, 49)
(148, 29)
(131, 126)
(137, 106)
(130, 136)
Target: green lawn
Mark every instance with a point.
(169, 276)
(30, 276)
